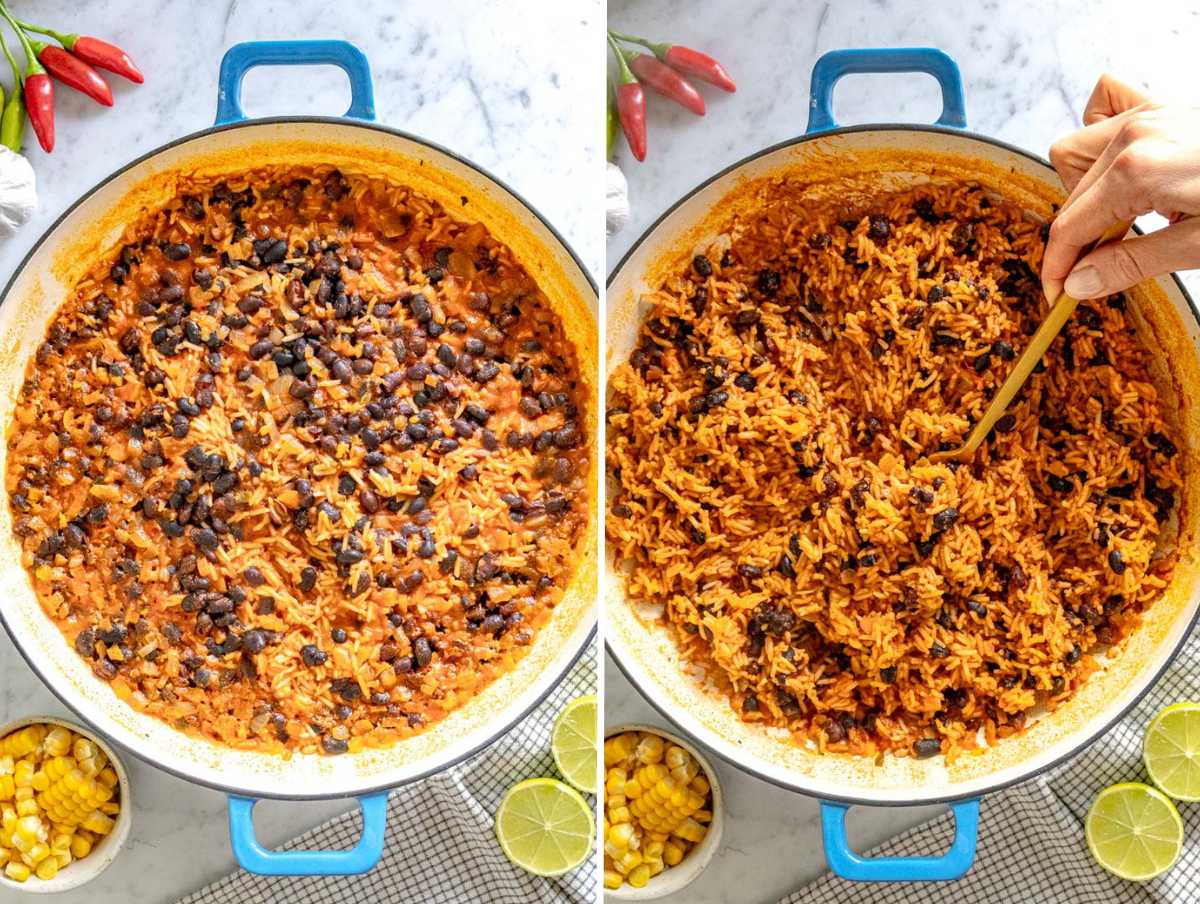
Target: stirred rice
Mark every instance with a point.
(767, 446)
(301, 467)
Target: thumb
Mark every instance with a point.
(1118, 265)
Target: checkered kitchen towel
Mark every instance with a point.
(1031, 845)
(439, 847)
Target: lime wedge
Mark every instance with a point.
(1171, 750)
(544, 826)
(1134, 831)
(574, 743)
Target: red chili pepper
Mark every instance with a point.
(104, 55)
(39, 89)
(667, 82)
(697, 64)
(631, 105)
(73, 72)
(686, 60)
(39, 102)
(94, 52)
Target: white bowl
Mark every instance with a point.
(77, 872)
(676, 878)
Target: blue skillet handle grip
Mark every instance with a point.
(849, 865)
(241, 58)
(361, 858)
(836, 63)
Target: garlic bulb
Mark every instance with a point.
(616, 200)
(18, 191)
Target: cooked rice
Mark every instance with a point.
(311, 482)
(767, 446)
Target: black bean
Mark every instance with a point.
(421, 310)
(937, 651)
(945, 518)
(769, 281)
(261, 349)
(1006, 423)
(422, 653)
(702, 265)
(254, 641)
(1115, 562)
(177, 251)
(1003, 350)
(312, 655)
(927, 747)
(254, 577)
(1059, 484)
(85, 643)
(879, 228)
(888, 674)
(333, 746)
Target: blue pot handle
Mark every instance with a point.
(241, 58)
(849, 865)
(361, 858)
(836, 63)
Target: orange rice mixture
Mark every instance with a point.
(770, 488)
(302, 466)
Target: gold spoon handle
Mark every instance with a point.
(1056, 318)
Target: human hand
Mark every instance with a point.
(1130, 158)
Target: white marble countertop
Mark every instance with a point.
(454, 72)
(1027, 68)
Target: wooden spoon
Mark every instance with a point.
(1056, 318)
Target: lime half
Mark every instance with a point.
(545, 826)
(1134, 831)
(574, 743)
(1171, 750)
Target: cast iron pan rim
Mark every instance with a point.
(799, 786)
(501, 728)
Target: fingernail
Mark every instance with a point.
(1084, 282)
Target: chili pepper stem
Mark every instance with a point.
(63, 39)
(624, 74)
(16, 70)
(657, 48)
(32, 66)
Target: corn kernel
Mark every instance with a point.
(612, 879)
(38, 852)
(18, 872)
(23, 774)
(57, 741)
(672, 853)
(639, 876)
(99, 822)
(649, 749)
(80, 847)
(47, 869)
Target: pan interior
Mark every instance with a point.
(92, 228)
(855, 165)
